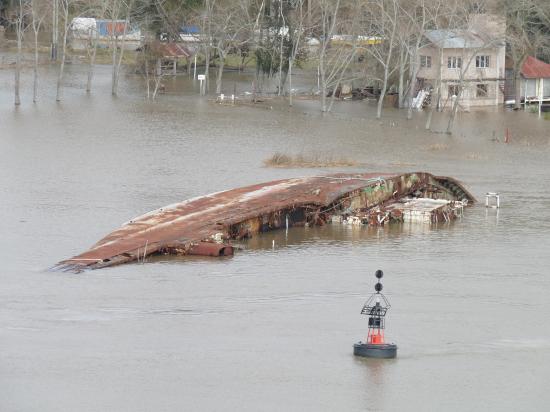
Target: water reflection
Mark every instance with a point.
(375, 374)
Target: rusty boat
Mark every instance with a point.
(207, 225)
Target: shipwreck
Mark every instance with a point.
(208, 224)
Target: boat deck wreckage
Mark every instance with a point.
(206, 225)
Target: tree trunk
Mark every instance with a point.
(120, 56)
(339, 81)
(411, 90)
(434, 105)
(323, 86)
(92, 63)
(35, 69)
(290, 82)
(206, 67)
(435, 102)
(114, 45)
(147, 80)
(158, 79)
(517, 87)
(334, 94)
(452, 116)
(382, 94)
(387, 64)
(454, 110)
(59, 91)
(401, 78)
(220, 73)
(18, 64)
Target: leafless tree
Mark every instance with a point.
(206, 37)
(383, 22)
(93, 41)
(118, 8)
(418, 20)
(230, 30)
(20, 16)
(298, 22)
(63, 6)
(150, 66)
(328, 56)
(39, 11)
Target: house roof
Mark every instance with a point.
(455, 39)
(174, 50)
(533, 68)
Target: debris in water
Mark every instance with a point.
(206, 225)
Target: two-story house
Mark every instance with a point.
(466, 63)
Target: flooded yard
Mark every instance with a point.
(271, 328)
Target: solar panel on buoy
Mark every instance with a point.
(375, 308)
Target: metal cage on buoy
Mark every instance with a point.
(375, 308)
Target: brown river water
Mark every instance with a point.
(272, 328)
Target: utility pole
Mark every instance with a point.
(54, 29)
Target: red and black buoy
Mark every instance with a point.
(376, 308)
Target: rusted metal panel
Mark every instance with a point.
(174, 50)
(211, 249)
(243, 212)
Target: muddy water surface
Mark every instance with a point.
(271, 328)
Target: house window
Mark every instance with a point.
(454, 90)
(454, 62)
(482, 90)
(426, 61)
(482, 61)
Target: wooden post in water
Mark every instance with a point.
(525, 98)
(541, 93)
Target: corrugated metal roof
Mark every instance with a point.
(174, 50)
(451, 39)
(186, 224)
(534, 68)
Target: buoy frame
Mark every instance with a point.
(376, 308)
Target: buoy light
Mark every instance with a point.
(376, 308)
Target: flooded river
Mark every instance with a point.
(272, 328)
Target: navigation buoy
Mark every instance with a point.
(376, 308)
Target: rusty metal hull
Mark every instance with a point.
(184, 228)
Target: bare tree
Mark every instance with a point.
(93, 41)
(297, 23)
(419, 20)
(63, 5)
(436, 93)
(149, 60)
(118, 8)
(437, 19)
(383, 22)
(39, 12)
(230, 30)
(208, 12)
(20, 16)
(328, 13)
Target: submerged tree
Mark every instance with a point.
(39, 12)
(20, 17)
